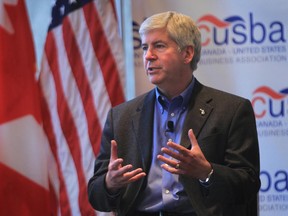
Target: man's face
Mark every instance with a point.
(163, 62)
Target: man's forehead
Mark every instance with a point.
(155, 36)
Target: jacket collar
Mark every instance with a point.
(143, 128)
(199, 110)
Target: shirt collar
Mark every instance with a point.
(183, 97)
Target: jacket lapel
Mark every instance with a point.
(198, 113)
(143, 128)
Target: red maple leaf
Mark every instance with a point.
(18, 87)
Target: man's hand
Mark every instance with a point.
(119, 176)
(184, 161)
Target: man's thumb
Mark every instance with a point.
(192, 138)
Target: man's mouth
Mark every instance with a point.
(152, 69)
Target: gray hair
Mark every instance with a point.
(180, 29)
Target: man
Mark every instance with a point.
(182, 148)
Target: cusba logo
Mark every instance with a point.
(235, 30)
(267, 102)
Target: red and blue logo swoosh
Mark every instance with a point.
(271, 93)
(219, 23)
(269, 103)
(204, 21)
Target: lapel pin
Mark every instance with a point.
(202, 112)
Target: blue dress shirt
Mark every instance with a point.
(164, 192)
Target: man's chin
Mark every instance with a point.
(154, 81)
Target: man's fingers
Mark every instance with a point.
(134, 175)
(122, 170)
(171, 153)
(115, 164)
(123, 177)
(182, 150)
(168, 161)
(114, 154)
(192, 138)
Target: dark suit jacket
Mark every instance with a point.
(226, 134)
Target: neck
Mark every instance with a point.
(175, 90)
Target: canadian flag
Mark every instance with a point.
(24, 152)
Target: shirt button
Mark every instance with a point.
(172, 114)
(167, 191)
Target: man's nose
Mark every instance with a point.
(150, 54)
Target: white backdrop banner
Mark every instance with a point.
(245, 52)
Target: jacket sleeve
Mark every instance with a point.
(238, 176)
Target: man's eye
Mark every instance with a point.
(160, 46)
(144, 48)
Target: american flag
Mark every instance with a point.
(48, 144)
(82, 76)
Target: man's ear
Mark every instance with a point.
(188, 53)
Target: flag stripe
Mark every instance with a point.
(110, 29)
(69, 129)
(66, 164)
(74, 102)
(114, 9)
(79, 73)
(93, 71)
(48, 128)
(104, 56)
